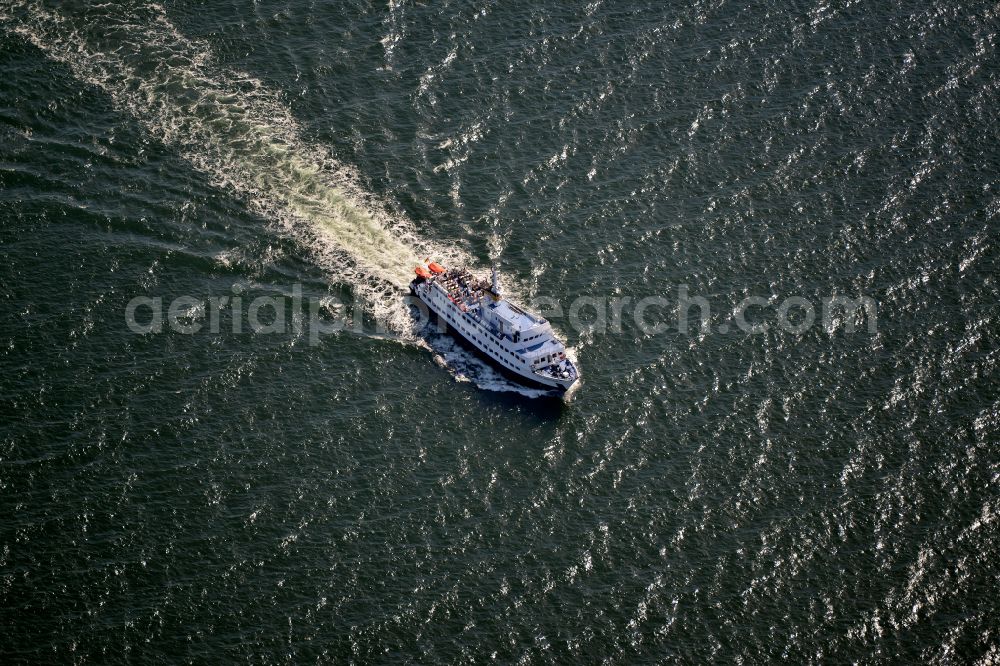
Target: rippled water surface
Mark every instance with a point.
(822, 496)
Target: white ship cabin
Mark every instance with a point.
(529, 335)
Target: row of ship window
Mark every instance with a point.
(452, 320)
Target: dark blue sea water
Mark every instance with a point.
(808, 494)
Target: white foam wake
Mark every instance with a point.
(228, 125)
(231, 127)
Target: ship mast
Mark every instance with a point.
(495, 284)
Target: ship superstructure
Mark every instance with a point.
(521, 344)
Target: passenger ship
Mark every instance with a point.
(520, 344)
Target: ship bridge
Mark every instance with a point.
(513, 322)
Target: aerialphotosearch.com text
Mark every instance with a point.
(680, 313)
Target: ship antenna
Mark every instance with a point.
(497, 290)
